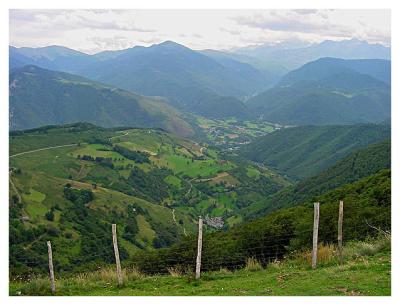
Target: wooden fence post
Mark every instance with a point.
(315, 236)
(199, 247)
(116, 252)
(51, 270)
(340, 232)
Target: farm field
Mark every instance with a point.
(162, 180)
(231, 133)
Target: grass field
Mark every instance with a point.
(366, 272)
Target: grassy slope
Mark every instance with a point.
(360, 275)
(44, 174)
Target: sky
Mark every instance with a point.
(93, 31)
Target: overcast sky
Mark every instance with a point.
(92, 31)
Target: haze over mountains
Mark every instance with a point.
(245, 83)
(292, 56)
(329, 91)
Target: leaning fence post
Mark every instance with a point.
(315, 235)
(199, 246)
(340, 232)
(51, 270)
(116, 252)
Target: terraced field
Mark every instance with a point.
(154, 184)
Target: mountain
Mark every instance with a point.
(249, 67)
(174, 71)
(51, 57)
(329, 91)
(304, 151)
(293, 56)
(327, 67)
(41, 97)
(184, 76)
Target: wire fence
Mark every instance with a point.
(204, 253)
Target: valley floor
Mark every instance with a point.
(362, 275)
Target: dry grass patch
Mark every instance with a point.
(252, 264)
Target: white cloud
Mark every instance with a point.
(97, 30)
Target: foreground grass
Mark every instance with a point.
(359, 275)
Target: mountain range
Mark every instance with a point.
(293, 55)
(218, 84)
(329, 91)
(42, 97)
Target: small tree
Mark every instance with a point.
(50, 215)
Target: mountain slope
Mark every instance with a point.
(41, 97)
(328, 91)
(327, 67)
(358, 165)
(301, 152)
(171, 70)
(247, 67)
(70, 182)
(285, 231)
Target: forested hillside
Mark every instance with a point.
(301, 152)
(359, 164)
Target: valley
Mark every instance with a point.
(168, 158)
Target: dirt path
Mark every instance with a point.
(120, 135)
(176, 223)
(59, 146)
(173, 216)
(40, 149)
(15, 189)
(190, 189)
(80, 172)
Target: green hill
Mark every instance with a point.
(40, 97)
(359, 164)
(328, 91)
(69, 183)
(272, 237)
(304, 151)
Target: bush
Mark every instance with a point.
(37, 286)
(366, 248)
(50, 215)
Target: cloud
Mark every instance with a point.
(76, 19)
(289, 21)
(305, 11)
(97, 30)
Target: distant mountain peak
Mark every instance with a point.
(169, 44)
